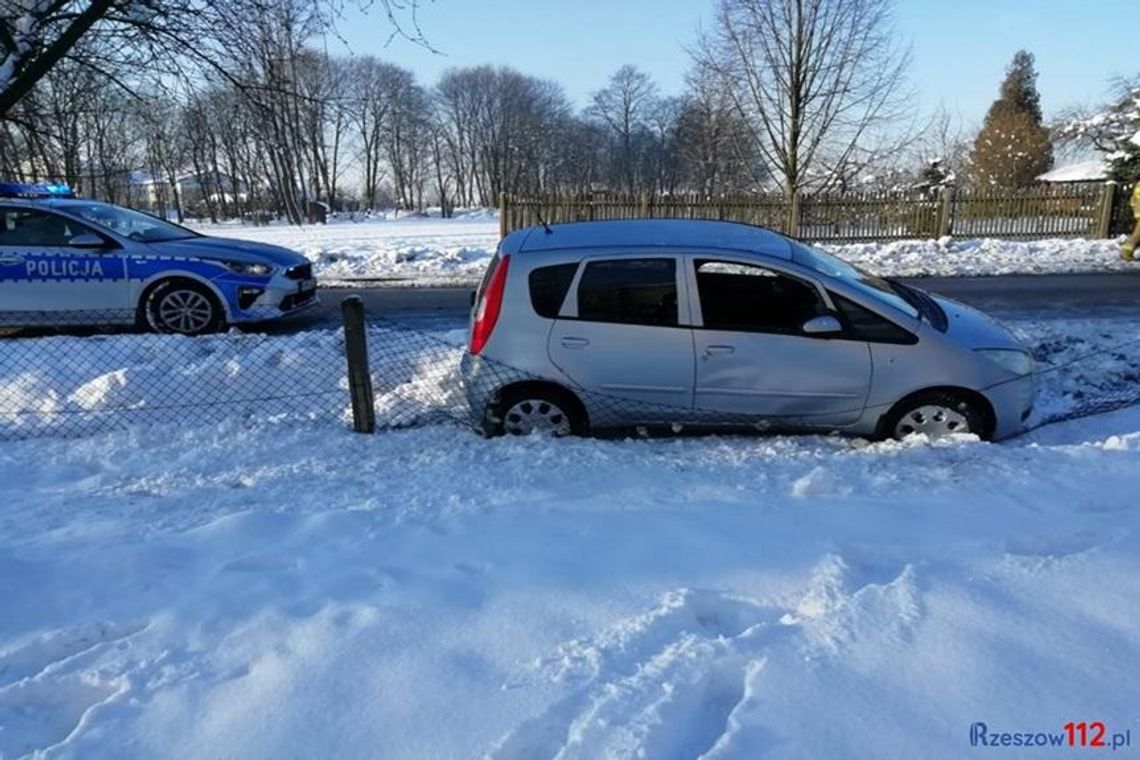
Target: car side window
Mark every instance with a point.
(864, 324)
(548, 288)
(629, 291)
(32, 228)
(752, 298)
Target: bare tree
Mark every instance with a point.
(625, 106)
(812, 79)
(716, 155)
(36, 35)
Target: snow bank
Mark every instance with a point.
(75, 386)
(955, 258)
(282, 592)
(431, 251)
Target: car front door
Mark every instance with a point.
(754, 361)
(622, 335)
(43, 273)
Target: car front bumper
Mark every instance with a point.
(1013, 404)
(280, 296)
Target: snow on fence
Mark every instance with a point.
(87, 381)
(1058, 210)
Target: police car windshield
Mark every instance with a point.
(130, 224)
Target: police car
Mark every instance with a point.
(65, 261)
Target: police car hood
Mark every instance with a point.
(230, 250)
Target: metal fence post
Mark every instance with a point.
(359, 372)
(1107, 201)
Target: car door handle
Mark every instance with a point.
(719, 351)
(575, 342)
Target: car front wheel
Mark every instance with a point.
(935, 415)
(185, 308)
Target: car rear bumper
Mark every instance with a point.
(480, 386)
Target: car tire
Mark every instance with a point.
(184, 308)
(540, 409)
(937, 414)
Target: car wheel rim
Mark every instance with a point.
(536, 416)
(185, 311)
(932, 420)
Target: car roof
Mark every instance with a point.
(60, 203)
(648, 233)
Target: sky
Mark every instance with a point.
(960, 48)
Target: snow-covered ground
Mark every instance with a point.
(294, 590)
(282, 592)
(431, 251)
(410, 250)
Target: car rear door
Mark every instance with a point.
(754, 363)
(622, 335)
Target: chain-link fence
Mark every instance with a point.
(85, 380)
(91, 377)
(416, 374)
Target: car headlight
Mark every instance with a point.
(245, 267)
(1017, 362)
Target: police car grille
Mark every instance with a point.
(296, 300)
(299, 272)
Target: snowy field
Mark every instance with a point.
(431, 251)
(275, 593)
(282, 590)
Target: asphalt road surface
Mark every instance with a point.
(1107, 294)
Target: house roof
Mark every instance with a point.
(1085, 171)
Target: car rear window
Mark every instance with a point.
(548, 288)
(629, 291)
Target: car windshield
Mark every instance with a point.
(876, 287)
(130, 224)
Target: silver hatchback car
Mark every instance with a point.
(679, 323)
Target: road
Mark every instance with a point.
(1107, 294)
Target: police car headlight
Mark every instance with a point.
(1017, 362)
(244, 267)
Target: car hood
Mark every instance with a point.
(230, 249)
(971, 328)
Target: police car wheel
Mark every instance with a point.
(182, 307)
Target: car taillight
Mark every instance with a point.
(489, 306)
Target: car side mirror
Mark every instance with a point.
(825, 325)
(87, 240)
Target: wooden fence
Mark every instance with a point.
(1073, 210)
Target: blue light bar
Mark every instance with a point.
(36, 190)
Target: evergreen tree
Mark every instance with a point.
(1115, 131)
(1013, 146)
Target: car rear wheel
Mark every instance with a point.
(936, 415)
(541, 410)
(183, 307)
